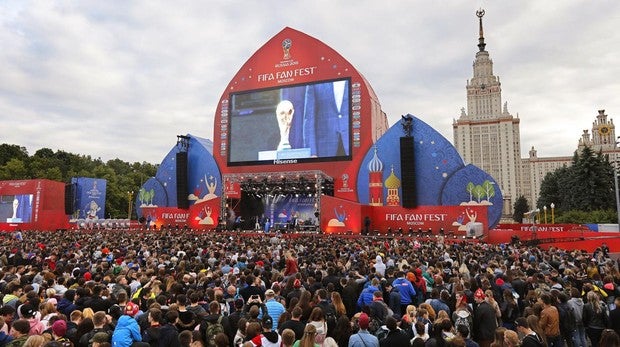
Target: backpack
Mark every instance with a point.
(464, 321)
(211, 330)
(330, 316)
(567, 319)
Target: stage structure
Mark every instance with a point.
(299, 136)
(32, 205)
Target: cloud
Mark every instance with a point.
(121, 79)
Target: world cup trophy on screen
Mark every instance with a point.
(284, 114)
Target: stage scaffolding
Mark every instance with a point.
(313, 182)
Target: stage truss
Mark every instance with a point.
(311, 182)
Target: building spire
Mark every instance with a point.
(481, 44)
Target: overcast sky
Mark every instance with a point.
(120, 79)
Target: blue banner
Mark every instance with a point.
(90, 197)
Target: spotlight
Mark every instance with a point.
(400, 230)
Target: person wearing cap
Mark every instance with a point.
(274, 308)
(127, 330)
(295, 292)
(363, 338)
(28, 312)
(59, 330)
(485, 320)
(269, 337)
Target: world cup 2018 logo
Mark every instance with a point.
(286, 48)
(345, 181)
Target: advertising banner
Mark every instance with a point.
(90, 197)
(339, 215)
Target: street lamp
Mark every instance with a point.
(129, 198)
(552, 214)
(545, 210)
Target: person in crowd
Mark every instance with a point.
(530, 338)
(308, 339)
(595, 317)
(395, 336)
(511, 339)
(576, 303)
(295, 324)
(127, 330)
(463, 332)
(485, 320)
(609, 338)
(363, 338)
(20, 333)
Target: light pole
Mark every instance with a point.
(129, 198)
(552, 213)
(545, 210)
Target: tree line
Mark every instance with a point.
(122, 177)
(581, 193)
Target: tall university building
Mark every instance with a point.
(487, 135)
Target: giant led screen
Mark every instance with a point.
(16, 208)
(292, 124)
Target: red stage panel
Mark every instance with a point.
(40, 205)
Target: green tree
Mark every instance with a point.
(8, 152)
(586, 186)
(521, 207)
(14, 169)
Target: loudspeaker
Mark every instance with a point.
(182, 189)
(407, 172)
(69, 198)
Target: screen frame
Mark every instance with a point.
(20, 197)
(229, 139)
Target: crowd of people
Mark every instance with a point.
(182, 288)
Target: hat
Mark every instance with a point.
(88, 276)
(479, 294)
(260, 263)
(267, 321)
(59, 327)
(270, 292)
(609, 286)
(131, 309)
(26, 310)
(297, 283)
(363, 321)
(499, 281)
(418, 272)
